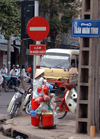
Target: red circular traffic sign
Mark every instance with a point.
(37, 28)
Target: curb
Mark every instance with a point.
(21, 126)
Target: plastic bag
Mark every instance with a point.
(49, 85)
(53, 104)
(46, 98)
(42, 108)
(39, 99)
(55, 118)
(38, 83)
(35, 95)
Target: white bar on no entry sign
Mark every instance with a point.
(37, 28)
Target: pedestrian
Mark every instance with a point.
(38, 79)
(29, 74)
(23, 75)
(14, 75)
(3, 72)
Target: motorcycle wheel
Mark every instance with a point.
(60, 113)
(13, 111)
(28, 108)
(6, 88)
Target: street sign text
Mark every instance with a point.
(85, 28)
(39, 49)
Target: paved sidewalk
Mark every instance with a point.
(21, 125)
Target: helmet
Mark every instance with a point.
(17, 66)
(29, 69)
(14, 66)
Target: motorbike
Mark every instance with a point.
(1, 81)
(27, 102)
(17, 102)
(9, 83)
(20, 100)
(67, 103)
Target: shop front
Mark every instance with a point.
(3, 54)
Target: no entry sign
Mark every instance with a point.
(39, 49)
(37, 28)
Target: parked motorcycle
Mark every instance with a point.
(17, 102)
(20, 100)
(27, 102)
(1, 81)
(67, 103)
(9, 83)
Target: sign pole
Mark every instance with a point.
(36, 13)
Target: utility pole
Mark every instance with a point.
(8, 56)
(36, 13)
(87, 118)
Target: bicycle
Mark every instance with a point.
(66, 103)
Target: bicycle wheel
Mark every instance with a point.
(60, 113)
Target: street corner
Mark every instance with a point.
(23, 120)
(6, 129)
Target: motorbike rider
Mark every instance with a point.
(73, 81)
(18, 69)
(4, 70)
(14, 75)
(23, 75)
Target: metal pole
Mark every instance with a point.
(8, 56)
(36, 13)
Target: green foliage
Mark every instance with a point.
(59, 14)
(10, 18)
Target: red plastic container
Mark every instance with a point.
(34, 104)
(35, 121)
(47, 120)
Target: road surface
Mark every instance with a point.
(3, 137)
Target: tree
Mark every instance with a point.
(10, 22)
(59, 14)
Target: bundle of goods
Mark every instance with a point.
(43, 113)
(73, 76)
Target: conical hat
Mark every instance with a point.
(38, 72)
(73, 71)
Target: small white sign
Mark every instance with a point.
(5, 60)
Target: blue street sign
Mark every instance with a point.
(85, 28)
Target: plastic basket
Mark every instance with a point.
(34, 121)
(8, 78)
(47, 118)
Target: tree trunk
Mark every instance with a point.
(23, 57)
(8, 56)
